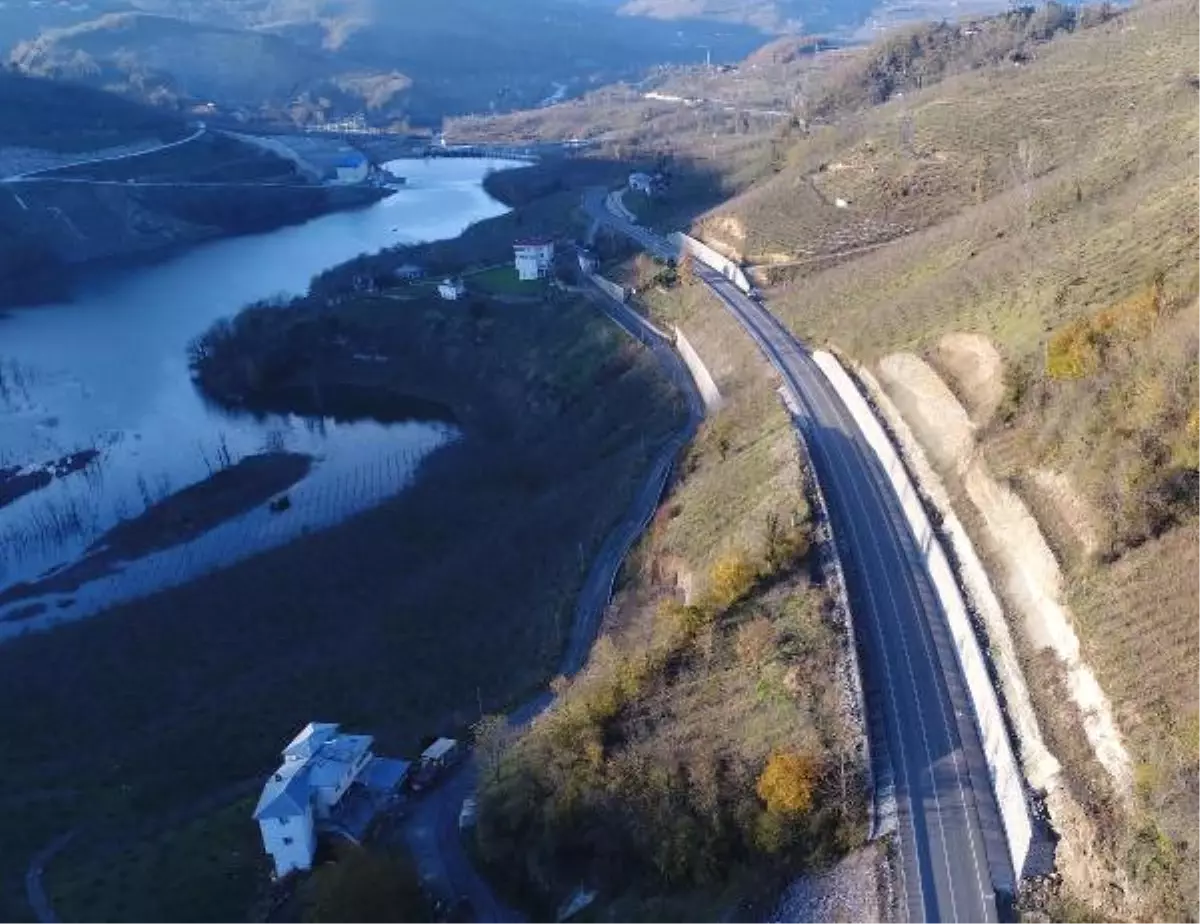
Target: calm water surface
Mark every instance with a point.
(109, 370)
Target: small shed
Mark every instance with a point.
(451, 290)
(407, 272)
(383, 777)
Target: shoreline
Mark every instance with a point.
(17, 481)
(61, 280)
(175, 520)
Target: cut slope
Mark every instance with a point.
(1052, 208)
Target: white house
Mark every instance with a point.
(328, 781)
(533, 257)
(451, 289)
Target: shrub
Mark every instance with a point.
(364, 886)
(1077, 350)
(787, 783)
(755, 642)
(731, 578)
(1072, 352)
(787, 542)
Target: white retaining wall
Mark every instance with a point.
(610, 288)
(709, 257)
(1002, 764)
(700, 374)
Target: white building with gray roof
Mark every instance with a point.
(328, 781)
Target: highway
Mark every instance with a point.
(950, 849)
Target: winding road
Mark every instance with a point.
(431, 830)
(32, 175)
(952, 857)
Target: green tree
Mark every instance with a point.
(364, 886)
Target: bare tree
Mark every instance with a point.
(493, 736)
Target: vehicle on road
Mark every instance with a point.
(468, 814)
(435, 760)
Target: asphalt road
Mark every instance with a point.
(431, 830)
(33, 174)
(949, 840)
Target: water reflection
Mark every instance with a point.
(109, 372)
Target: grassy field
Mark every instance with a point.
(121, 719)
(210, 866)
(503, 280)
(718, 653)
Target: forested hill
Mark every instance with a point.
(69, 117)
(305, 61)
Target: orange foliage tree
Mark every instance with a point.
(787, 783)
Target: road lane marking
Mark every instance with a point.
(925, 631)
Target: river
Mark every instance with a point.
(109, 371)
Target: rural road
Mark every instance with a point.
(950, 845)
(431, 830)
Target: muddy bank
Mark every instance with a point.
(174, 520)
(17, 481)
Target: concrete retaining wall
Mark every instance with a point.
(709, 392)
(610, 288)
(1007, 783)
(709, 257)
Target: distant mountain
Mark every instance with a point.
(165, 59)
(310, 60)
(777, 16)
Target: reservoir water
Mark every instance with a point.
(109, 371)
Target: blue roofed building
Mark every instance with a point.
(351, 168)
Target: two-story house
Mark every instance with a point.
(328, 781)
